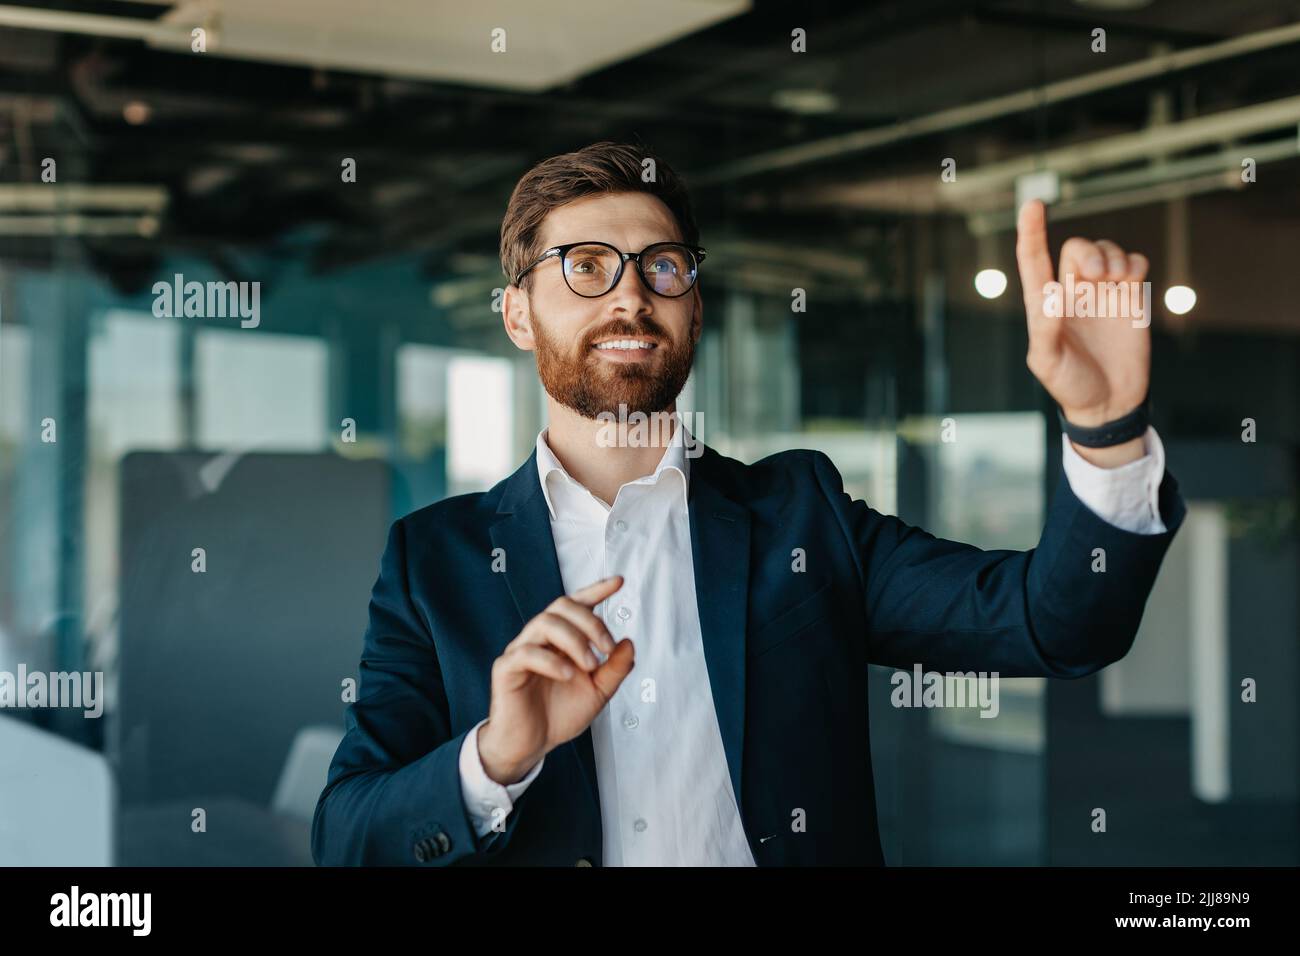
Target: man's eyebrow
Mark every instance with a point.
(647, 245)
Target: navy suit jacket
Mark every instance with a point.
(787, 654)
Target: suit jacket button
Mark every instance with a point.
(583, 861)
(443, 842)
(421, 851)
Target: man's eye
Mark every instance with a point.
(584, 265)
(662, 265)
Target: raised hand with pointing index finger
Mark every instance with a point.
(1096, 366)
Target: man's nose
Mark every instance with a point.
(630, 292)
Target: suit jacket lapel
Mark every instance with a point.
(720, 552)
(533, 573)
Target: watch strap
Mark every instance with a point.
(1116, 432)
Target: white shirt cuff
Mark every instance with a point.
(1127, 497)
(483, 795)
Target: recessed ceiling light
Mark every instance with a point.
(1179, 299)
(990, 283)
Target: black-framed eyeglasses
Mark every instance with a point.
(591, 269)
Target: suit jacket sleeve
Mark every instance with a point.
(394, 783)
(1044, 612)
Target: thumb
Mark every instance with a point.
(617, 666)
(1032, 256)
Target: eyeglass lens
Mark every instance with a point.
(669, 268)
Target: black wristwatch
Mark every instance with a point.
(1133, 425)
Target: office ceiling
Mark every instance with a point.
(242, 145)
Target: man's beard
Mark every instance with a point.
(589, 385)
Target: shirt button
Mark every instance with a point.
(621, 525)
(630, 721)
(623, 613)
(639, 826)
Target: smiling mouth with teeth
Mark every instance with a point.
(624, 345)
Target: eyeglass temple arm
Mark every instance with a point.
(553, 251)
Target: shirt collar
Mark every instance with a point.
(674, 459)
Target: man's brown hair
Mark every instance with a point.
(603, 167)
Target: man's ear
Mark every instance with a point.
(517, 315)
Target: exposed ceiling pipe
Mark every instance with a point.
(1078, 158)
(985, 193)
(61, 197)
(91, 24)
(985, 223)
(833, 147)
(73, 224)
(1287, 147)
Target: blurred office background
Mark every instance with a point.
(379, 378)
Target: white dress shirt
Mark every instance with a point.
(665, 792)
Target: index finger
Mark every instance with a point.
(593, 594)
(1032, 256)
